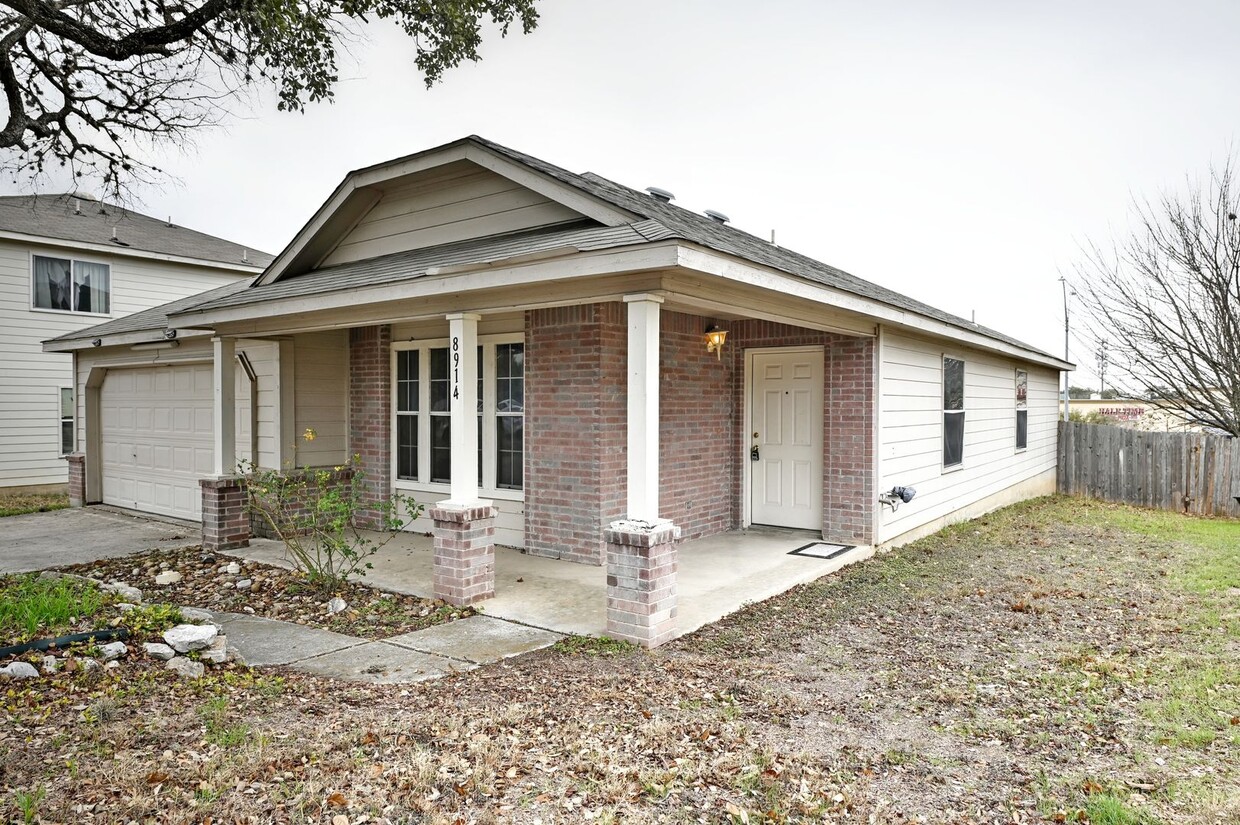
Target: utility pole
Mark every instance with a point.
(1064, 283)
(1102, 368)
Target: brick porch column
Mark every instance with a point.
(225, 517)
(641, 581)
(77, 479)
(464, 566)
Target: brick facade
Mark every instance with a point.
(77, 479)
(641, 582)
(370, 404)
(576, 422)
(575, 419)
(464, 565)
(225, 514)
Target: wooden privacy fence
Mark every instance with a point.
(1186, 472)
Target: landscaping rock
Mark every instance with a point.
(218, 652)
(50, 665)
(159, 651)
(186, 668)
(232, 568)
(186, 637)
(19, 670)
(197, 614)
(245, 584)
(131, 594)
(87, 665)
(125, 607)
(168, 577)
(113, 650)
(337, 605)
(112, 665)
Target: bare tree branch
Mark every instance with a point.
(1166, 300)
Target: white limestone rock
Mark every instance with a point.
(50, 665)
(337, 605)
(217, 653)
(113, 650)
(168, 577)
(158, 651)
(129, 594)
(19, 670)
(197, 614)
(232, 568)
(186, 637)
(186, 668)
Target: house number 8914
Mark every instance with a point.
(456, 368)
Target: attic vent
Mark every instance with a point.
(660, 194)
(717, 217)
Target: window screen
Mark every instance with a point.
(953, 412)
(1022, 409)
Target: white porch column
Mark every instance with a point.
(463, 404)
(224, 409)
(643, 413)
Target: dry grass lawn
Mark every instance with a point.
(1056, 661)
(18, 504)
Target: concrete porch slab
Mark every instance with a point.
(382, 663)
(478, 639)
(270, 642)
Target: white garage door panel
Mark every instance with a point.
(157, 441)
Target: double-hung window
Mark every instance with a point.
(422, 434)
(68, 422)
(70, 285)
(953, 412)
(1022, 409)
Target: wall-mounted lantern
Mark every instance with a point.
(714, 340)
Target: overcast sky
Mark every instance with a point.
(958, 152)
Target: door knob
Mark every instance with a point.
(753, 454)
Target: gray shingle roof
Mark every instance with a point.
(658, 220)
(155, 318)
(79, 219)
(404, 266)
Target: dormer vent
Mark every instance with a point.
(660, 194)
(717, 217)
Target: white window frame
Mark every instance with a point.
(944, 412)
(62, 418)
(72, 259)
(1022, 405)
(488, 488)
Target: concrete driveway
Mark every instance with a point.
(40, 540)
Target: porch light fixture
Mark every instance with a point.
(714, 340)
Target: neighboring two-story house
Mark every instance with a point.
(69, 262)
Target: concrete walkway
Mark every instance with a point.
(37, 541)
(437, 651)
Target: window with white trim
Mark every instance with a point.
(422, 431)
(69, 285)
(953, 412)
(1022, 409)
(68, 422)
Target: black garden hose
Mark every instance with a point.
(119, 634)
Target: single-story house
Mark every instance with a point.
(67, 262)
(556, 362)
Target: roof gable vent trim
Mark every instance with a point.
(660, 194)
(717, 217)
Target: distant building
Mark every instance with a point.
(1136, 413)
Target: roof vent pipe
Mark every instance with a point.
(717, 217)
(77, 206)
(660, 194)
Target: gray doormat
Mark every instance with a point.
(822, 550)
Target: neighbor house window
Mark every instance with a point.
(71, 286)
(1022, 409)
(423, 414)
(68, 434)
(953, 412)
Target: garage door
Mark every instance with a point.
(157, 439)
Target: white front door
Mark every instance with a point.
(786, 438)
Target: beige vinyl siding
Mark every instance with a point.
(464, 202)
(197, 349)
(910, 437)
(30, 379)
(321, 382)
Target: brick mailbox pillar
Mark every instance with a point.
(77, 479)
(641, 581)
(225, 516)
(464, 569)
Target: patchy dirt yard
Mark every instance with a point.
(222, 583)
(1059, 661)
(17, 504)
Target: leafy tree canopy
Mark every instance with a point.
(90, 85)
